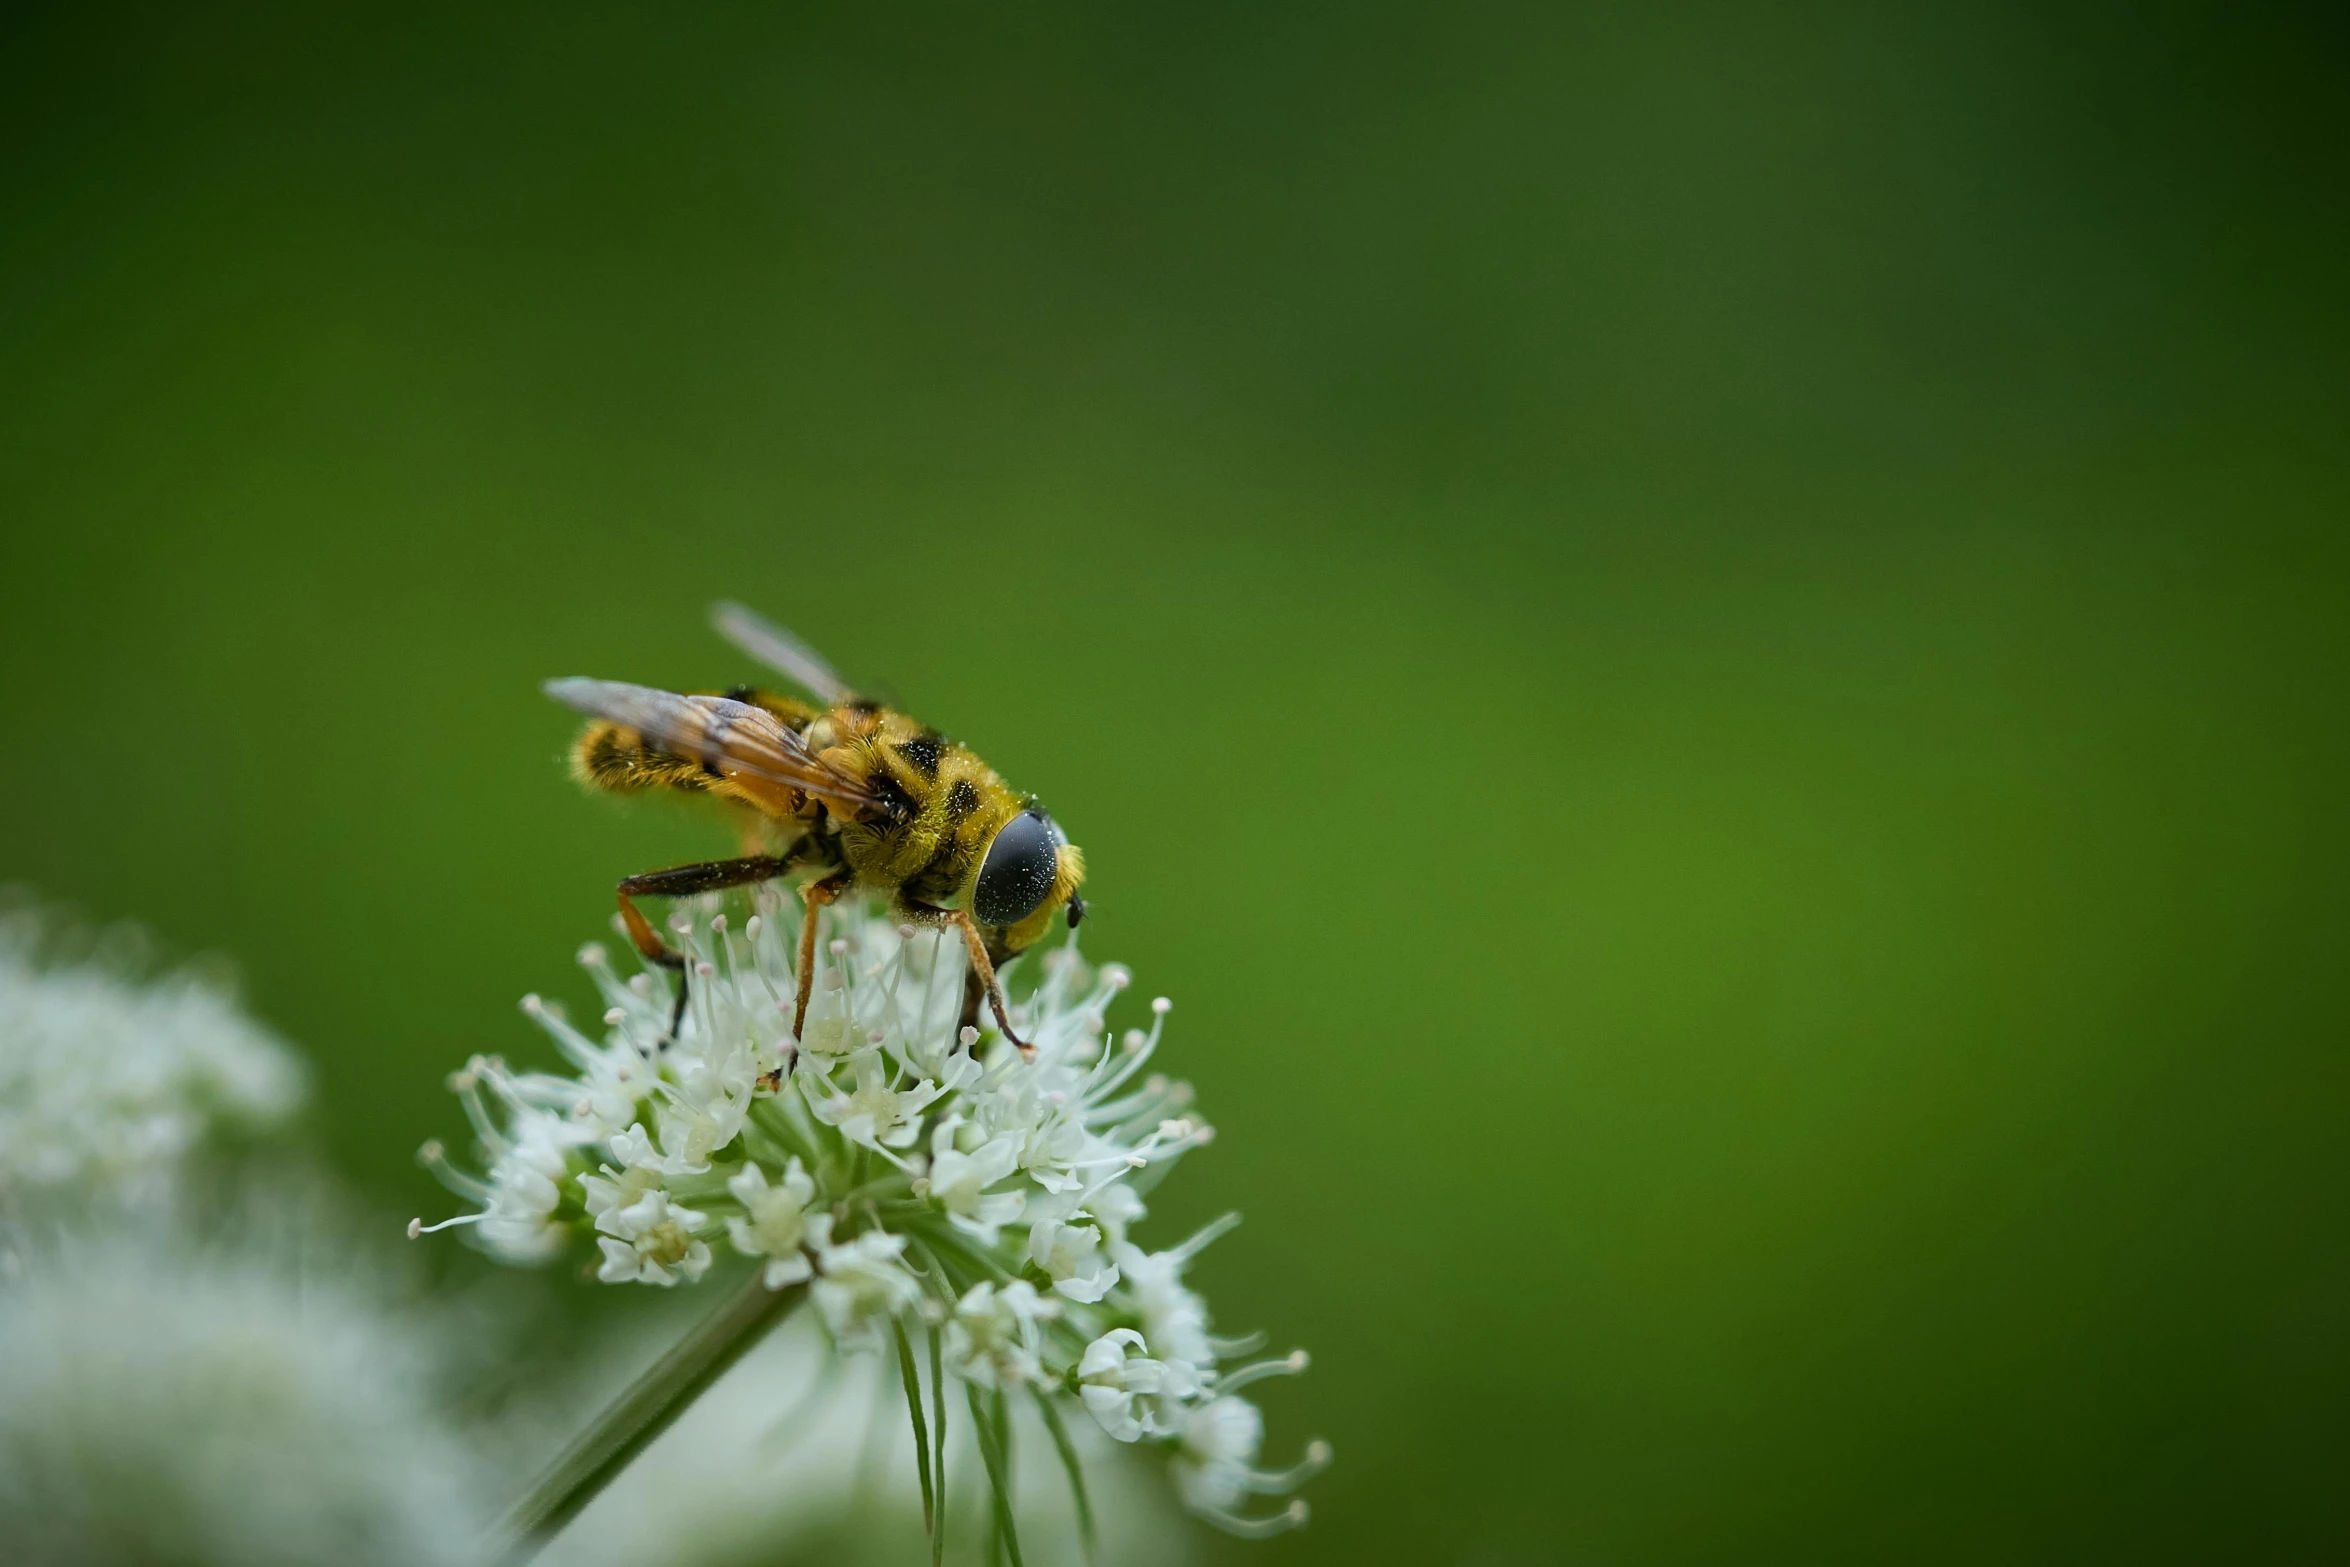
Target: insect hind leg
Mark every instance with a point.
(683, 881)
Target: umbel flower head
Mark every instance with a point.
(919, 1176)
(110, 1078)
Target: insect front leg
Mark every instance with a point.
(683, 881)
(981, 964)
(982, 970)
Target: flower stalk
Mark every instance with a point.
(649, 1405)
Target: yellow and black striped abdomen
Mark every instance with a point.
(616, 759)
(619, 760)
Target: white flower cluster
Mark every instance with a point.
(108, 1079)
(917, 1175)
(244, 1399)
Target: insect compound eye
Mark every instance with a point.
(1076, 910)
(1018, 870)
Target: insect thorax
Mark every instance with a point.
(948, 807)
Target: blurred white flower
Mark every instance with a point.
(992, 1339)
(1173, 1318)
(529, 1156)
(1215, 1466)
(863, 1285)
(110, 1078)
(1116, 1371)
(918, 1174)
(161, 1403)
(1071, 1256)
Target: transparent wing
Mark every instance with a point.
(735, 738)
(779, 650)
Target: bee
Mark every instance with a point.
(842, 794)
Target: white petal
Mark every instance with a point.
(1113, 1411)
(1084, 1290)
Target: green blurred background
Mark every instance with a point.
(1707, 645)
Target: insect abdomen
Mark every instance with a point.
(611, 757)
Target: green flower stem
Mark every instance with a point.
(630, 1422)
(913, 1382)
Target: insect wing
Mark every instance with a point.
(731, 737)
(779, 650)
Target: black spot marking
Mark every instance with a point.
(865, 706)
(709, 771)
(962, 800)
(890, 793)
(741, 693)
(924, 751)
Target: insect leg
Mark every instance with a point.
(683, 881)
(986, 972)
(979, 979)
(818, 894)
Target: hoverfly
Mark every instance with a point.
(842, 792)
